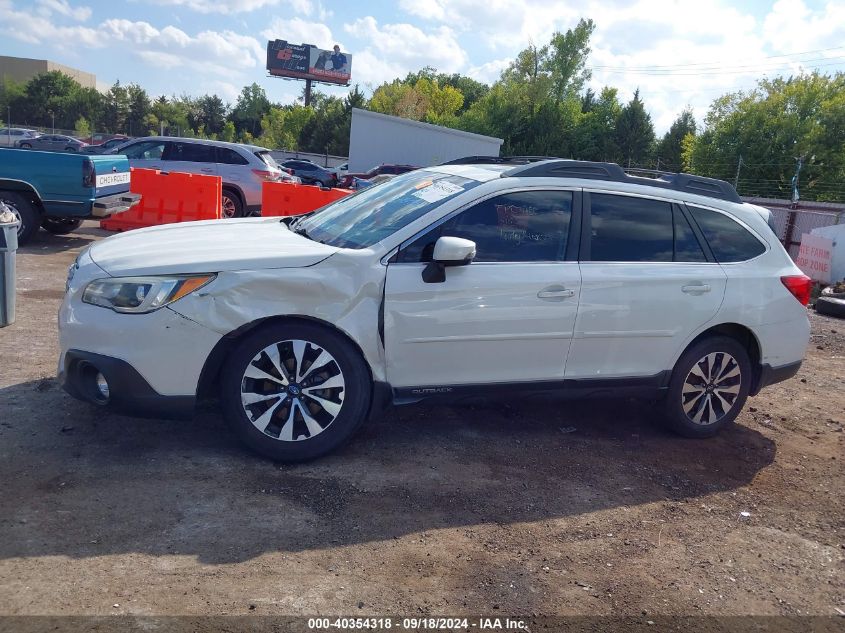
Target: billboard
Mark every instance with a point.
(304, 61)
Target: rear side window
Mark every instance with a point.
(687, 248)
(626, 229)
(191, 152)
(230, 157)
(729, 241)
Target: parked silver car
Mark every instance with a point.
(243, 168)
(10, 135)
(52, 143)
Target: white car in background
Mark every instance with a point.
(243, 168)
(9, 136)
(453, 281)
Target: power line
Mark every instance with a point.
(713, 71)
(819, 50)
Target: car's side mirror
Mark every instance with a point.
(448, 251)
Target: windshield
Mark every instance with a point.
(367, 217)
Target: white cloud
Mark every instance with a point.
(489, 72)
(31, 28)
(48, 7)
(228, 7)
(791, 26)
(393, 50)
(299, 31)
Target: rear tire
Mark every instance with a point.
(232, 206)
(831, 306)
(60, 226)
(25, 146)
(25, 211)
(273, 395)
(709, 387)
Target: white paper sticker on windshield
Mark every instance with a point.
(438, 190)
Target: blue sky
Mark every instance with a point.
(677, 53)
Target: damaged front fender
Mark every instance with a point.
(344, 291)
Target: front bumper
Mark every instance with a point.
(128, 392)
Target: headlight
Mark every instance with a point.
(138, 295)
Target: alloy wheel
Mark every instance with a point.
(711, 388)
(292, 390)
(229, 209)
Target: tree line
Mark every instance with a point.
(540, 106)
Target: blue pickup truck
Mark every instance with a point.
(58, 190)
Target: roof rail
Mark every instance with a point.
(560, 168)
(497, 160)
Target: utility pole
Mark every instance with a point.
(736, 178)
(795, 196)
(307, 92)
(658, 163)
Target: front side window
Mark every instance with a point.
(374, 213)
(148, 150)
(729, 241)
(526, 226)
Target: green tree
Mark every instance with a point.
(567, 59)
(772, 126)
(250, 108)
(82, 127)
(228, 132)
(116, 109)
(670, 148)
(635, 133)
(139, 106)
(212, 113)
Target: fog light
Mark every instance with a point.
(102, 386)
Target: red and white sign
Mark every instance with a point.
(814, 257)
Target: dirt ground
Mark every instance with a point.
(569, 508)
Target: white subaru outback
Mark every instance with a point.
(470, 278)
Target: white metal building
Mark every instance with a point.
(379, 138)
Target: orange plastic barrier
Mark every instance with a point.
(167, 198)
(284, 198)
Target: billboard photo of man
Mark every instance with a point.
(338, 59)
(331, 66)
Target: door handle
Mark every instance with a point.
(206, 170)
(555, 292)
(695, 289)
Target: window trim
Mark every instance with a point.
(572, 239)
(585, 257)
(766, 246)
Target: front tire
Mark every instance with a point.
(25, 212)
(60, 226)
(709, 387)
(295, 391)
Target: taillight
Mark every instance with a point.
(89, 174)
(800, 286)
(266, 175)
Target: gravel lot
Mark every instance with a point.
(565, 508)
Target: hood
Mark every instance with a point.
(206, 247)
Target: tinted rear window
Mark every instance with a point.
(230, 157)
(729, 241)
(626, 229)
